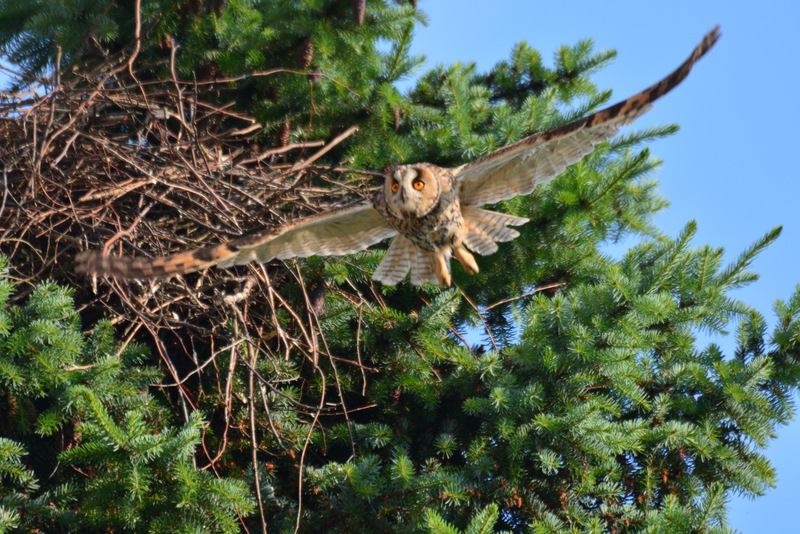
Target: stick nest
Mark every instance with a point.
(103, 162)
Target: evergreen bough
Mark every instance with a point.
(99, 451)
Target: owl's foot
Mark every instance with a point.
(466, 259)
(442, 269)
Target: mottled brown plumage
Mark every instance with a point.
(432, 211)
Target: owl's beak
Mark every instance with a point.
(403, 196)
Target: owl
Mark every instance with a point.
(433, 213)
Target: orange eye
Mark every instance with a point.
(395, 187)
(418, 185)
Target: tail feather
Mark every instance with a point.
(403, 257)
(396, 263)
(423, 267)
(487, 228)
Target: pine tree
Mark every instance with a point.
(76, 409)
(333, 404)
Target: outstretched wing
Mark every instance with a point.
(332, 233)
(518, 168)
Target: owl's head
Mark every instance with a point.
(412, 190)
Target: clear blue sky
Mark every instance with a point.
(731, 166)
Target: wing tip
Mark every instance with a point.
(88, 262)
(710, 39)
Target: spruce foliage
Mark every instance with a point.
(99, 452)
(559, 390)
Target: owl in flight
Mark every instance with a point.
(432, 212)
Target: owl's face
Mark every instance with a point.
(412, 190)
